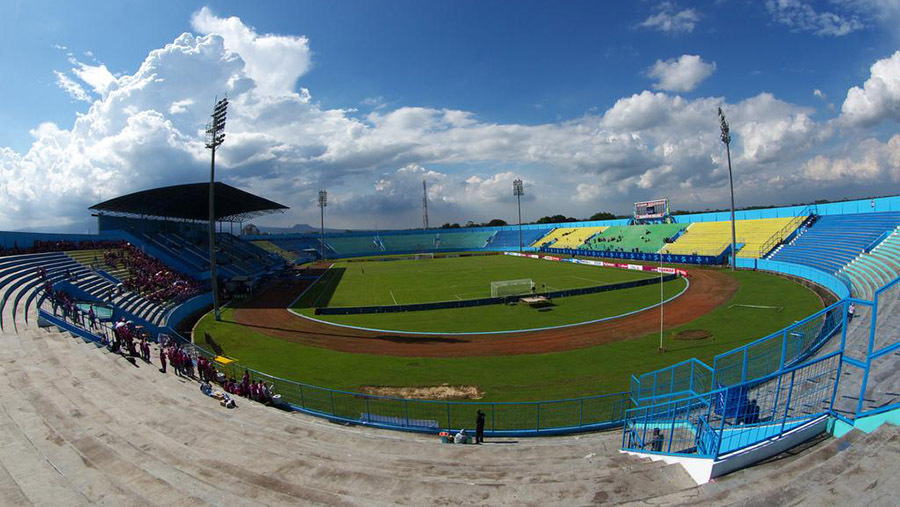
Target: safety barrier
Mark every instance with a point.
(466, 303)
(703, 260)
(732, 418)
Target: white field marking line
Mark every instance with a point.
(327, 285)
(779, 308)
(392, 297)
(294, 302)
(457, 297)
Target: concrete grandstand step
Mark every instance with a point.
(310, 460)
(155, 477)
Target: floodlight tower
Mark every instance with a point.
(215, 135)
(424, 205)
(518, 191)
(726, 138)
(323, 201)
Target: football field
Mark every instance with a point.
(448, 279)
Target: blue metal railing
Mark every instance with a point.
(732, 418)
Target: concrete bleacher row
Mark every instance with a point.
(568, 237)
(374, 244)
(234, 257)
(637, 238)
(876, 268)
(833, 241)
(20, 285)
(95, 428)
(712, 238)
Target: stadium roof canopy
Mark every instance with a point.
(190, 202)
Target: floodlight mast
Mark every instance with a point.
(726, 138)
(519, 191)
(323, 201)
(215, 135)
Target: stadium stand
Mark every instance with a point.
(834, 240)
(509, 238)
(634, 238)
(568, 237)
(713, 238)
(876, 268)
(301, 246)
(468, 240)
(355, 245)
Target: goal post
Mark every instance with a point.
(423, 256)
(503, 288)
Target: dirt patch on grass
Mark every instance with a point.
(693, 334)
(441, 392)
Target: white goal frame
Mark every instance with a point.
(518, 287)
(423, 256)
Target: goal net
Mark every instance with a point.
(511, 287)
(421, 256)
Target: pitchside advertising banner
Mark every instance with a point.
(635, 267)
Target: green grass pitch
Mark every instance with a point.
(411, 281)
(588, 371)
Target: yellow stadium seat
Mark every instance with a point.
(712, 238)
(568, 237)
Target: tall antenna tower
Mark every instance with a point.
(424, 205)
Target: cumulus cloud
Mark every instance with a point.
(98, 77)
(801, 16)
(669, 20)
(879, 97)
(680, 75)
(73, 89)
(274, 62)
(872, 161)
(145, 129)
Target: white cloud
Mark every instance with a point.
(98, 77)
(680, 75)
(801, 16)
(145, 129)
(671, 21)
(872, 161)
(274, 62)
(819, 94)
(879, 98)
(75, 90)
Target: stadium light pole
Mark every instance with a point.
(519, 191)
(323, 201)
(726, 138)
(215, 135)
(661, 305)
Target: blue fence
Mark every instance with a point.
(704, 260)
(732, 418)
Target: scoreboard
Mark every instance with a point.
(649, 210)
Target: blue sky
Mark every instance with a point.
(594, 104)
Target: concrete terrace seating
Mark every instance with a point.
(835, 240)
(300, 246)
(569, 237)
(83, 426)
(712, 238)
(643, 238)
(509, 238)
(872, 270)
(354, 245)
(95, 429)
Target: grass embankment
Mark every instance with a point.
(588, 371)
